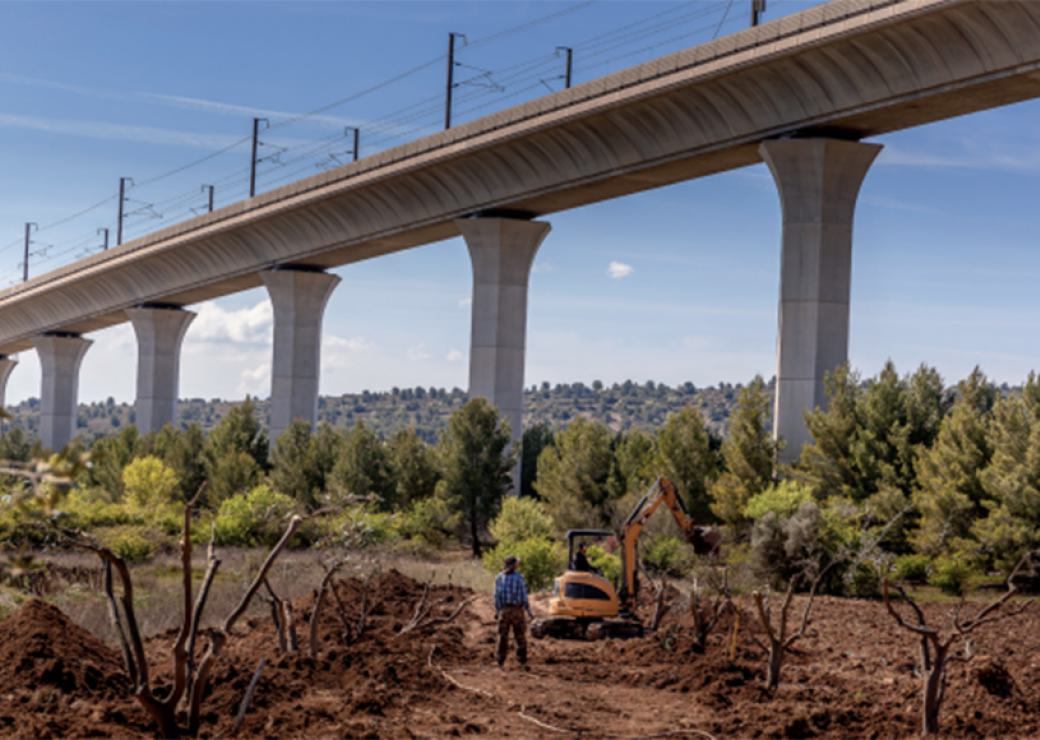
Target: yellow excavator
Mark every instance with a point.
(584, 604)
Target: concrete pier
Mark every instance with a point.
(160, 331)
(6, 366)
(501, 251)
(60, 358)
(298, 297)
(818, 180)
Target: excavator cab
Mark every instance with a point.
(580, 598)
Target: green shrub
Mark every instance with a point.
(359, 527)
(669, 555)
(427, 520)
(256, 518)
(521, 519)
(862, 580)
(783, 499)
(911, 568)
(540, 560)
(149, 483)
(135, 544)
(90, 509)
(607, 563)
(950, 574)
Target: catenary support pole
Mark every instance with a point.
(160, 332)
(28, 241)
(501, 252)
(298, 298)
(818, 180)
(60, 359)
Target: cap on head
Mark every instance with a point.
(511, 562)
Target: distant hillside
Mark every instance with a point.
(621, 406)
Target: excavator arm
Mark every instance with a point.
(704, 539)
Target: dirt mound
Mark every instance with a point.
(40, 646)
(375, 681)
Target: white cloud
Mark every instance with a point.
(117, 132)
(418, 353)
(619, 270)
(255, 382)
(244, 325)
(340, 353)
(455, 356)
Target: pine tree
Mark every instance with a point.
(685, 457)
(476, 464)
(238, 431)
(748, 455)
(536, 439)
(635, 463)
(827, 464)
(574, 475)
(181, 450)
(950, 494)
(1012, 478)
(362, 469)
(413, 467)
(293, 469)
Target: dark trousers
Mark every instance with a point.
(512, 618)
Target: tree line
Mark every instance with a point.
(945, 480)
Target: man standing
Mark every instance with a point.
(510, 608)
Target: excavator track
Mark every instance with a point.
(569, 628)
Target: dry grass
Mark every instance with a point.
(75, 586)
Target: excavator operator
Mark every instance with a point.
(581, 559)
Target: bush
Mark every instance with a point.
(521, 519)
(782, 499)
(427, 520)
(862, 580)
(89, 509)
(669, 555)
(911, 568)
(359, 527)
(252, 519)
(950, 574)
(135, 544)
(540, 560)
(148, 483)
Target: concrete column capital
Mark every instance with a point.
(300, 290)
(160, 332)
(60, 358)
(818, 178)
(502, 250)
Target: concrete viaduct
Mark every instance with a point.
(799, 93)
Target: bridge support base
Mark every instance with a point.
(819, 181)
(501, 251)
(298, 298)
(60, 359)
(160, 332)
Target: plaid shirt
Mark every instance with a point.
(510, 590)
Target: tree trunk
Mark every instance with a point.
(474, 534)
(932, 695)
(776, 661)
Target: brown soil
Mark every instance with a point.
(853, 676)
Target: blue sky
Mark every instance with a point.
(946, 258)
